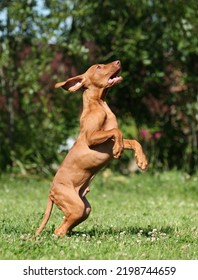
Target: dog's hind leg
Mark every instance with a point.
(74, 208)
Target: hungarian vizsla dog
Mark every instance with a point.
(99, 141)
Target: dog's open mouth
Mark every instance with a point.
(114, 79)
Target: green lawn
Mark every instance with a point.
(141, 216)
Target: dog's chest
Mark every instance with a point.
(110, 121)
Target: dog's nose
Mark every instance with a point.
(117, 62)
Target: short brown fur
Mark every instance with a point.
(99, 141)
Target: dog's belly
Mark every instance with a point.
(78, 167)
(94, 158)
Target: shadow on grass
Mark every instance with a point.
(97, 232)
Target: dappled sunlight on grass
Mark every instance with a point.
(144, 216)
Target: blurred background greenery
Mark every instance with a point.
(44, 42)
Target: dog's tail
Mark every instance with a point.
(46, 217)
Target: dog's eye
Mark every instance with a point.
(98, 67)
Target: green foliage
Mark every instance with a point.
(137, 217)
(34, 118)
(157, 44)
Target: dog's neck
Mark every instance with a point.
(93, 95)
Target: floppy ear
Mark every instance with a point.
(72, 84)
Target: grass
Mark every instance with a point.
(143, 216)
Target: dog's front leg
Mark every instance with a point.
(139, 154)
(99, 137)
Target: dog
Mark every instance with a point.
(98, 142)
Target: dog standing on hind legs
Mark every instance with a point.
(99, 141)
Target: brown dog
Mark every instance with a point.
(99, 141)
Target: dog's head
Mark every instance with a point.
(97, 76)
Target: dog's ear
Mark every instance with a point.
(72, 84)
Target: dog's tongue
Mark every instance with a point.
(114, 80)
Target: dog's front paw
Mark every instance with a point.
(141, 160)
(117, 150)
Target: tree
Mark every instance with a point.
(32, 118)
(157, 44)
